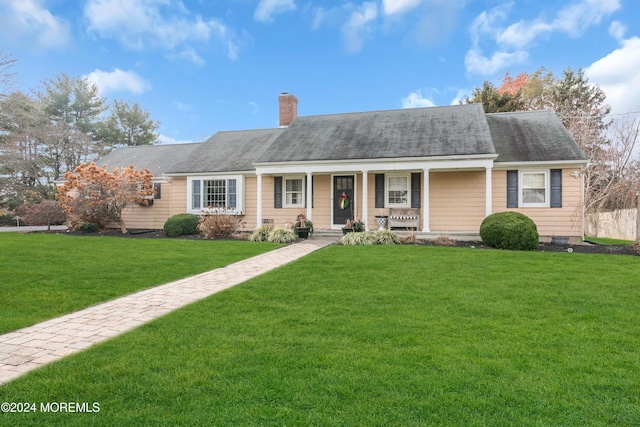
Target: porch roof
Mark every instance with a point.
(408, 133)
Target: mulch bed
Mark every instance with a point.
(586, 248)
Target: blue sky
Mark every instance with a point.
(201, 66)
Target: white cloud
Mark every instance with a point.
(118, 81)
(393, 7)
(523, 33)
(28, 20)
(617, 30)
(416, 100)
(617, 75)
(267, 8)
(511, 41)
(576, 18)
(477, 63)
(191, 55)
(140, 24)
(487, 23)
(358, 25)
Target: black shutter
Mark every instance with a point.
(512, 189)
(158, 188)
(415, 190)
(379, 190)
(556, 188)
(277, 192)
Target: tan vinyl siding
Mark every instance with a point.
(250, 218)
(322, 201)
(321, 212)
(371, 201)
(457, 201)
(178, 196)
(564, 221)
(172, 201)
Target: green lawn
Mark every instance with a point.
(375, 336)
(46, 275)
(607, 241)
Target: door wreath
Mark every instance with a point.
(344, 202)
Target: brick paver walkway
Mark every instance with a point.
(26, 349)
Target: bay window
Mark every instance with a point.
(215, 193)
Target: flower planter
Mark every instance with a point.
(346, 230)
(303, 232)
(382, 221)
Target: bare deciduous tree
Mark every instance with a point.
(7, 61)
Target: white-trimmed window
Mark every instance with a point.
(534, 188)
(224, 192)
(294, 192)
(398, 190)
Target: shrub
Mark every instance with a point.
(261, 234)
(87, 227)
(281, 235)
(219, 225)
(411, 238)
(100, 194)
(444, 241)
(46, 213)
(181, 224)
(509, 230)
(386, 237)
(358, 238)
(10, 220)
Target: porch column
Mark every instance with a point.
(259, 200)
(425, 200)
(365, 204)
(488, 192)
(309, 196)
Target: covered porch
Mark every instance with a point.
(332, 192)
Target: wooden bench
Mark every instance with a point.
(404, 218)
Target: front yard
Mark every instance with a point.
(374, 336)
(46, 275)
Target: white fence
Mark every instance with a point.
(615, 225)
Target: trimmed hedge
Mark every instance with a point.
(181, 225)
(510, 230)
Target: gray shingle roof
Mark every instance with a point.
(157, 158)
(422, 132)
(532, 136)
(231, 151)
(419, 132)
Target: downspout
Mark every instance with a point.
(584, 209)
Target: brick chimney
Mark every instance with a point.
(288, 108)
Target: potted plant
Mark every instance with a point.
(347, 227)
(357, 225)
(303, 227)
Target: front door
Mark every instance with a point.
(343, 199)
